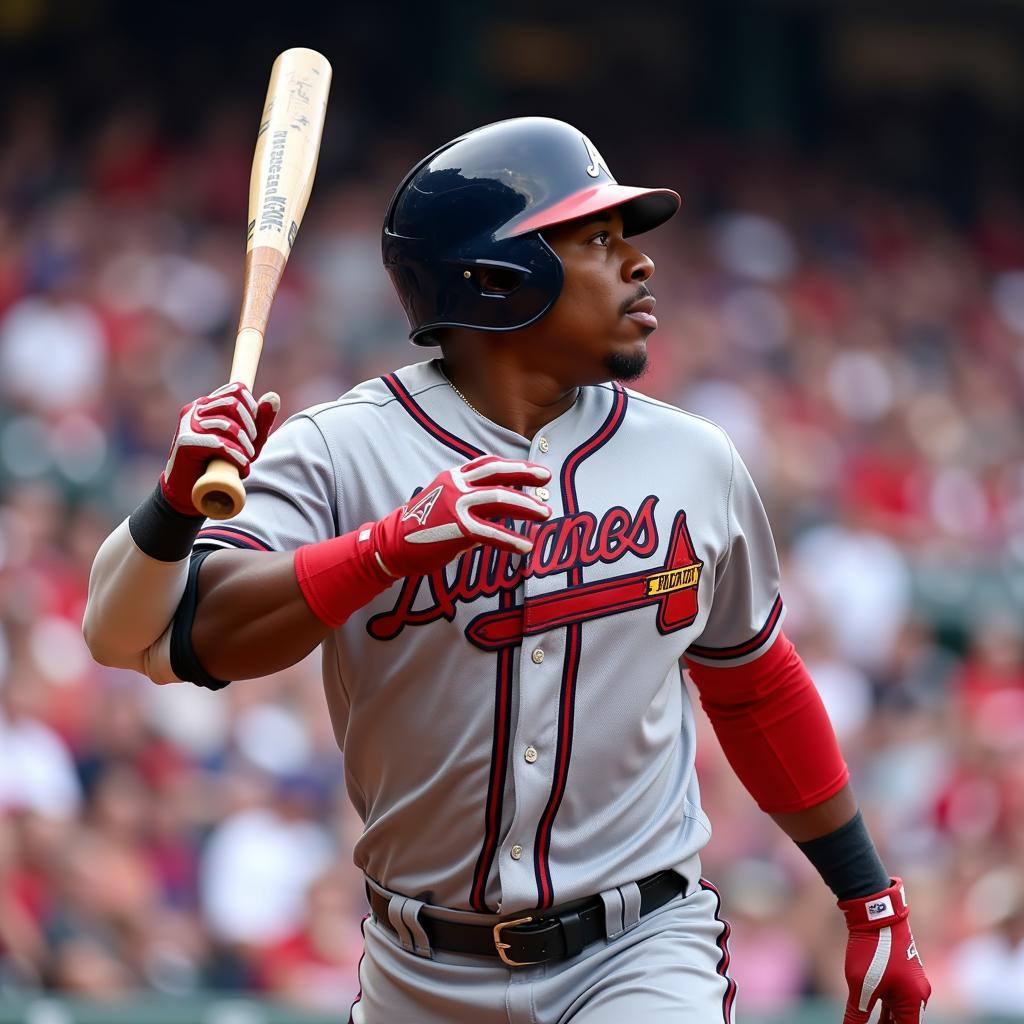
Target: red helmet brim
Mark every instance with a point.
(641, 208)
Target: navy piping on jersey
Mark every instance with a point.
(757, 641)
(234, 536)
(573, 649)
(722, 967)
(359, 967)
(401, 392)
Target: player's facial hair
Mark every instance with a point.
(626, 367)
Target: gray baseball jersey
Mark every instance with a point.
(516, 733)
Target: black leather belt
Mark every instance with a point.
(560, 933)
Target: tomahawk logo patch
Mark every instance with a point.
(421, 508)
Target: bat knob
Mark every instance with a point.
(219, 493)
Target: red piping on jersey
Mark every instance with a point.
(234, 536)
(722, 967)
(748, 647)
(566, 716)
(399, 390)
(499, 764)
(573, 648)
(503, 681)
(585, 450)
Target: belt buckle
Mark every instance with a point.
(502, 946)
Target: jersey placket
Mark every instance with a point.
(534, 741)
(548, 669)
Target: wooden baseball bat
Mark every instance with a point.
(283, 167)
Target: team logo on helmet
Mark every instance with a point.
(597, 162)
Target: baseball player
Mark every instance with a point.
(507, 559)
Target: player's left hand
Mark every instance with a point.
(229, 423)
(882, 962)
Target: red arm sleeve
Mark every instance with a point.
(773, 728)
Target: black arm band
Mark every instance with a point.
(184, 660)
(162, 532)
(848, 861)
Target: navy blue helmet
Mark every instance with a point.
(483, 200)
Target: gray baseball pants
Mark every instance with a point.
(670, 966)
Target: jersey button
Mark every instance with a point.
(542, 493)
(516, 852)
(543, 445)
(530, 754)
(537, 656)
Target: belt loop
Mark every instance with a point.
(403, 913)
(614, 909)
(621, 909)
(630, 893)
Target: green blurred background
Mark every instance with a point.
(844, 292)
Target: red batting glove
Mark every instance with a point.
(226, 424)
(882, 961)
(456, 511)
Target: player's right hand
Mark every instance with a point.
(457, 510)
(227, 424)
(882, 961)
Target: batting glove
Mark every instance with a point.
(457, 510)
(227, 424)
(882, 962)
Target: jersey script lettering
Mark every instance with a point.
(559, 545)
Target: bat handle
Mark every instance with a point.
(219, 493)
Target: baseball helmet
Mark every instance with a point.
(482, 200)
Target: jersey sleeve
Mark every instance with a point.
(291, 495)
(746, 608)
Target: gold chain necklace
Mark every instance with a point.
(470, 404)
(461, 395)
(466, 400)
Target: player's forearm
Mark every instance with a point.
(257, 613)
(251, 618)
(821, 819)
(775, 732)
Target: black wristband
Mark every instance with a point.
(162, 532)
(848, 861)
(184, 661)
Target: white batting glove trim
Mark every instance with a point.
(490, 531)
(248, 423)
(239, 390)
(217, 423)
(876, 968)
(434, 534)
(482, 472)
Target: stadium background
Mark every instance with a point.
(844, 291)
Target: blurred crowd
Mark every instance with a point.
(865, 353)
